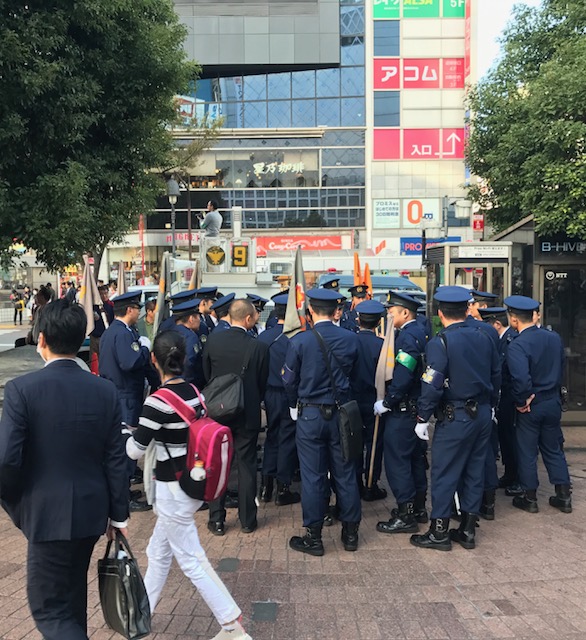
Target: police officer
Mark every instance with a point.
(311, 400)
(258, 302)
(536, 363)
(280, 455)
(125, 360)
(359, 293)
(332, 282)
(187, 320)
(369, 315)
(221, 309)
(505, 415)
(404, 452)
(463, 391)
(480, 300)
(178, 298)
(272, 319)
(207, 296)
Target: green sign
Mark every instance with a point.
(421, 8)
(387, 9)
(454, 8)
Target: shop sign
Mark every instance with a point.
(421, 210)
(263, 168)
(478, 222)
(418, 73)
(453, 73)
(290, 243)
(386, 214)
(387, 73)
(387, 144)
(181, 238)
(560, 246)
(421, 73)
(419, 144)
(413, 246)
(454, 8)
(421, 8)
(468, 39)
(387, 9)
(482, 251)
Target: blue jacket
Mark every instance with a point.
(349, 320)
(277, 342)
(222, 325)
(369, 346)
(193, 368)
(490, 331)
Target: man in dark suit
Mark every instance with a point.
(226, 352)
(63, 471)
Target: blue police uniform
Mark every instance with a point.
(167, 325)
(308, 385)
(349, 320)
(462, 390)
(193, 367)
(536, 360)
(223, 304)
(222, 325)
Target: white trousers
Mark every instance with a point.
(175, 534)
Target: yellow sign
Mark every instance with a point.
(240, 255)
(215, 255)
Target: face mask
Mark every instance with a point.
(40, 352)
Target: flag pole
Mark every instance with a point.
(373, 452)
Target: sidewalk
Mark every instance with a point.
(525, 579)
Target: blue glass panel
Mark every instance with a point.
(279, 113)
(352, 21)
(279, 86)
(352, 51)
(353, 112)
(386, 38)
(303, 84)
(255, 115)
(328, 112)
(255, 87)
(386, 109)
(328, 83)
(303, 113)
(353, 81)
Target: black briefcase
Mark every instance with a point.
(123, 596)
(350, 426)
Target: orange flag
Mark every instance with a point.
(367, 279)
(357, 272)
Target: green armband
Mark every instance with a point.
(406, 360)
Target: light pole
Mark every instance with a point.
(173, 193)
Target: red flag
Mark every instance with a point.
(296, 304)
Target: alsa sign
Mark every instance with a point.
(290, 243)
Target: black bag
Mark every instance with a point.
(123, 597)
(349, 418)
(224, 395)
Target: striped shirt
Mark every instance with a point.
(159, 421)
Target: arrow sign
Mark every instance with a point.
(453, 143)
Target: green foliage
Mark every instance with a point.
(528, 137)
(86, 99)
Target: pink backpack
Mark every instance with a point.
(208, 441)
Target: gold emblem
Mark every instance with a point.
(215, 255)
(136, 346)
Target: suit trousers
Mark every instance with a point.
(175, 536)
(280, 454)
(57, 587)
(245, 442)
(491, 478)
(507, 436)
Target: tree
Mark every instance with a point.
(86, 102)
(528, 123)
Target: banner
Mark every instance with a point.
(296, 303)
(89, 296)
(265, 244)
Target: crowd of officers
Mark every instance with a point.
(490, 382)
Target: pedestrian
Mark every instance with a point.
(71, 292)
(175, 534)
(313, 403)
(404, 452)
(536, 364)
(258, 302)
(51, 291)
(211, 220)
(18, 304)
(280, 454)
(41, 299)
(228, 352)
(462, 390)
(107, 308)
(63, 470)
(146, 324)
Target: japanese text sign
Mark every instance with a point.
(421, 8)
(387, 9)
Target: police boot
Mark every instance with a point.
(527, 502)
(402, 520)
(350, 535)
(465, 533)
(285, 496)
(370, 494)
(265, 493)
(310, 543)
(437, 537)
(562, 499)
(487, 506)
(419, 507)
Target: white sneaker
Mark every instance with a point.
(238, 633)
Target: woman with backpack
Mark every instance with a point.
(175, 533)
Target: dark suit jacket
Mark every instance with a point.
(63, 464)
(224, 352)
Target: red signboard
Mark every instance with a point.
(478, 222)
(387, 144)
(419, 144)
(453, 144)
(421, 73)
(290, 243)
(453, 73)
(467, 38)
(387, 73)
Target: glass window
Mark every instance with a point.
(255, 115)
(386, 38)
(303, 113)
(386, 109)
(335, 157)
(279, 113)
(343, 139)
(255, 87)
(352, 21)
(340, 177)
(353, 81)
(328, 83)
(303, 84)
(352, 50)
(279, 86)
(328, 112)
(353, 112)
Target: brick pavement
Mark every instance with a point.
(526, 579)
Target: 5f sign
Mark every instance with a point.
(426, 210)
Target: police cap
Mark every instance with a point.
(483, 296)
(396, 299)
(281, 300)
(370, 308)
(281, 293)
(223, 301)
(258, 301)
(452, 295)
(189, 307)
(358, 291)
(333, 282)
(492, 313)
(183, 296)
(207, 293)
(521, 303)
(325, 297)
(130, 299)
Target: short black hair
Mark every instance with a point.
(150, 305)
(523, 316)
(280, 311)
(454, 310)
(64, 325)
(325, 308)
(214, 204)
(169, 350)
(367, 322)
(501, 317)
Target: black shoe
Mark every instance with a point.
(136, 479)
(374, 493)
(217, 528)
(204, 507)
(514, 490)
(285, 496)
(251, 528)
(465, 534)
(136, 505)
(562, 499)
(436, 538)
(420, 515)
(419, 507)
(231, 502)
(265, 493)
(526, 504)
(350, 535)
(403, 521)
(136, 494)
(311, 543)
(487, 506)
(506, 481)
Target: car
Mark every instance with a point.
(381, 285)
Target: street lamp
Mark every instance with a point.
(173, 193)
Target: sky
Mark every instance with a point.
(493, 15)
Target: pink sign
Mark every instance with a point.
(421, 144)
(421, 73)
(290, 243)
(387, 144)
(467, 38)
(453, 73)
(453, 143)
(387, 73)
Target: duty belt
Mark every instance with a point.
(406, 406)
(446, 411)
(326, 410)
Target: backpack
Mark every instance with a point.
(208, 441)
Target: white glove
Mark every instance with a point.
(293, 412)
(421, 429)
(379, 408)
(493, 416)
(145, 342)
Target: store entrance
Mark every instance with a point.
(564, 311)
